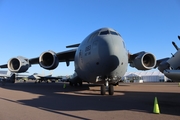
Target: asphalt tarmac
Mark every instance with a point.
(131, 101)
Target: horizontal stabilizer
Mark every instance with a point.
(75, 45)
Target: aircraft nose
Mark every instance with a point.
(107, 54)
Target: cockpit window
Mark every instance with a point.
(109, 32)
(104, 32)
(113, 33)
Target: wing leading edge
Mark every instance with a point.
(62, 57)
(65, 56)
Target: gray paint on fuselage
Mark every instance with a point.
(101, 55)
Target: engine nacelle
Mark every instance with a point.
(48, 60)
(18, 64)
(144, 61)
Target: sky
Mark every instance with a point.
(30, 27)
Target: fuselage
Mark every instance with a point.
(171, 68)
(102, 54)
(174, 75)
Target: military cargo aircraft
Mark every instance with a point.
(100, 58)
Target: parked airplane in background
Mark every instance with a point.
(171, 66)
(100, 58)
(7, 76)
(38, 78)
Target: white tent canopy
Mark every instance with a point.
(145, 76)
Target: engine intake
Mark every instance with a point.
(18, 64)
(144, 61)
(48, 60)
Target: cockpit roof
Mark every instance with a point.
(106, 31)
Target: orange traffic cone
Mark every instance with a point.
(156, 106)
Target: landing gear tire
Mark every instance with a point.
(103, 90)
(111, 89)
(70, 83)
(80, 83)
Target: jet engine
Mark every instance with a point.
(48, 60)
(18, 64)
(143, 61)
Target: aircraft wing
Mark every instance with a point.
(3, 66)
(64, 56)
(160, 61)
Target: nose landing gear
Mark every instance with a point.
(108, 87)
